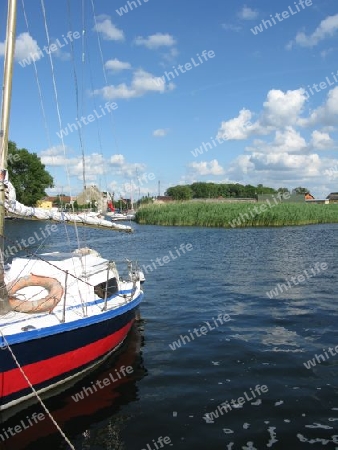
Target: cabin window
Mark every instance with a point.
(100, 289)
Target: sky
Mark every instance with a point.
(157, 93)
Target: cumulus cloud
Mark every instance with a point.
(247, 13)
(231, 27)
(321, 141)
(287, 140)
(115, 65)
(142, 83)
(237, 128)
(206, 168)
(25, 47)
(156, 41)
(160, 132)
(326, 29)
(107, 29)
(95, 164)
(121, 167)
(283, 108)
(280, 152)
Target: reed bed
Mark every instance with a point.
(236, 215)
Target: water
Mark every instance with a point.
(173, 393)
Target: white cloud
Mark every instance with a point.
(327, 114)
(52, 151)
(287, 140)
(142, 82)
(95, 164)
(160, 132)
(156, 40)
(55, 157)
(115, 65)
(25, 47)
(117, 160)
(238, 128)
(57, 161)
(321, 141)
(121, 167)
(301, 165)
(231, 27)
(206, 168)
(170, 56)
(279, 110)
(282, 156)
(61, 54)
(327, 28)
(247, 13)
(107, 29)
(282, 109)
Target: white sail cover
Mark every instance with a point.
(14, 207)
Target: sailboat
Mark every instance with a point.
(61, 314)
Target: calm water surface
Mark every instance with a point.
(173, 393)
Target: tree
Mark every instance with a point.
(28, 175)
(300, 190)
(283, 190)
(179, 192)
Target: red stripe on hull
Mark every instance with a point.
(13, 380)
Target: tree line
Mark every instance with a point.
(219, 190)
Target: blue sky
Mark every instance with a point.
(252, 104)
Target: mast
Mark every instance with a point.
(5, 113)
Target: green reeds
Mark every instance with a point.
(237, 215)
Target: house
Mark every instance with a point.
(333, 197)
(308, 196)
(92, 194)
(55, 201)
(44, 203)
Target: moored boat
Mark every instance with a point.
(61, 314)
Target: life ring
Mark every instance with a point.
(46, 304)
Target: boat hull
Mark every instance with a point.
(53, 360)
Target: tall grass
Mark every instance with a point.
(234, 215)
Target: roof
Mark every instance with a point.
(333, 196)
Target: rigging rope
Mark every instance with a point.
(104, 73)
(38, 83)
(59, 117)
